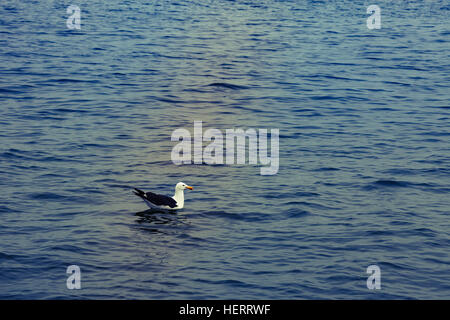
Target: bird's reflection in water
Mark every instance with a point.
(158, 221)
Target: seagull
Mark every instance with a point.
(158, 201)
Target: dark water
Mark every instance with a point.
(364, 149)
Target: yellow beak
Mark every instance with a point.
(190, 188)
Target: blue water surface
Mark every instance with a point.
(364, 176)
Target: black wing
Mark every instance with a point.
(161, 200)
(158, 199)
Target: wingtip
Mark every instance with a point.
(139, 193)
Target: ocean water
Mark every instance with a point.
(364, 176)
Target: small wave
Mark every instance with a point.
(295, 213)
(397, 184)
(69, 80)
(245, 216)
(308, 204)
(273, 195)
(16, 154)
(327, 169)
(169, 100)
(46, 196)
(227, 85)
(408, 172)
(4, 256)
(65, 110)
(7, 209)
(9, 91)
(391, 183)
(71, 248)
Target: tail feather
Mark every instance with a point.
(139, 193)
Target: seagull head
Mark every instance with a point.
(182, 186)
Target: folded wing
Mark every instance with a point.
(157, 199)
(161, 200)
